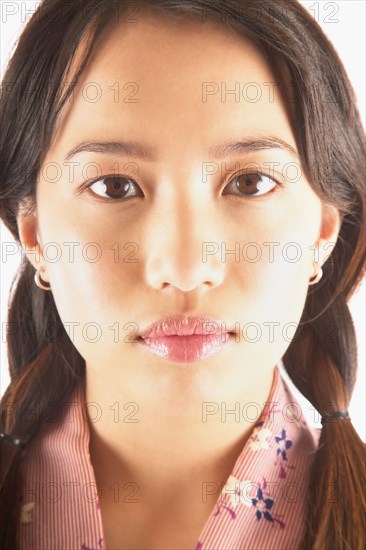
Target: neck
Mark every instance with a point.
(161, 445)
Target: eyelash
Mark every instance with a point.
(129, 180)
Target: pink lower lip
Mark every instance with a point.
(187, 349)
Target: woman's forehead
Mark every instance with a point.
(159, 77)
(156, 42)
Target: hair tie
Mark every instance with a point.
(342, 415)
(15, 440)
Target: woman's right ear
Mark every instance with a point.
(28, 233)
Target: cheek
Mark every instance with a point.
(93, 272)
(268, 308)
(274, 293)
(273, 273)
(92, 281)
(98, 305)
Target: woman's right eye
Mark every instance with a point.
(117, 187)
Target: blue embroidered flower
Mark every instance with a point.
(283, 444)
(263, 504)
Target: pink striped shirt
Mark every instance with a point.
(262, 505)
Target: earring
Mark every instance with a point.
(39, 282)
(318, 274)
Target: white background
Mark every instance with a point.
(344, 23)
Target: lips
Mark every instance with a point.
(178, 325)
(186, 339)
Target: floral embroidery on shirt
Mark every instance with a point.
(283, 444)
(26, 512)
(259, 438)
(237, 495)
(270, 414)
(237, 491)
(264, 504)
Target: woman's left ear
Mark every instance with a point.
(330, 227)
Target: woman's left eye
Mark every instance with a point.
(253, 184)
(114, 187)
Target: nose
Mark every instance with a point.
(184, 249)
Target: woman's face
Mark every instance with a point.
(186, 236)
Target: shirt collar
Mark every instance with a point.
(264, 493)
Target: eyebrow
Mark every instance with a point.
(250, 145)
(128, 148)
(218, 152)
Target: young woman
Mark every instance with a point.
(187, 182)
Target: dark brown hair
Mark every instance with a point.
(330, 139)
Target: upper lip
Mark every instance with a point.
(179, 325)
